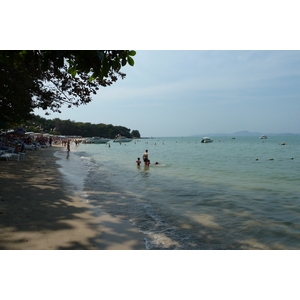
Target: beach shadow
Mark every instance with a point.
(35, 202)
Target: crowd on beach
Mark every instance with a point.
(33, 141)
(18, 143)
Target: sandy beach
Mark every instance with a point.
(38, 211)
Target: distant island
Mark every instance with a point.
(245, 133)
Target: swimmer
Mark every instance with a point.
(145, 157)
(138, 162)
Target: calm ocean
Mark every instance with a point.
(241, 193)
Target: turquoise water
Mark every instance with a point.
(241, 193)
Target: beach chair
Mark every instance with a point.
(29, 147)
(1, 153)
(10, 156)
(6, 155)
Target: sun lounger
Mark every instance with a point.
(10, 156)
(6, 155)
(29, 147)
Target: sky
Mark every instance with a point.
(188, 92)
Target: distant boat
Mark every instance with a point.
(97, 140)
(206, 140)
(122, 139)
(263, 137)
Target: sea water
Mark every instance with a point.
(240, 193)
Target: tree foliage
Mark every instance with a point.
(51, 79)
(68, 127)
(135, 133)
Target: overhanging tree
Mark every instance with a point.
(51, 79)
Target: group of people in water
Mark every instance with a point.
(145, 159)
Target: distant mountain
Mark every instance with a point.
(244, 133)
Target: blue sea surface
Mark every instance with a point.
(240, 193)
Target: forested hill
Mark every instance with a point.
(67, 127)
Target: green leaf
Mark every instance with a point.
(132, 53)
(22, 53)
(91, 78)
(130, 61)
(72, 71)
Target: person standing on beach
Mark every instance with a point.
(68, 145)
(145, 157)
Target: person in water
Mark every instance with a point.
(145, 157)
(138, 162)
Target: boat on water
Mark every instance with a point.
(206, 140)
(263, 137)
(96, 140)
(122, 139)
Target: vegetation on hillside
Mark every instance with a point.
(68, 127)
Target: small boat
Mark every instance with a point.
(122, 139)
(206, 140)
(263, 137)
(97, 140)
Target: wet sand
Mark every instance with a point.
(38, 210)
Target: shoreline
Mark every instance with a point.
(39, 210)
